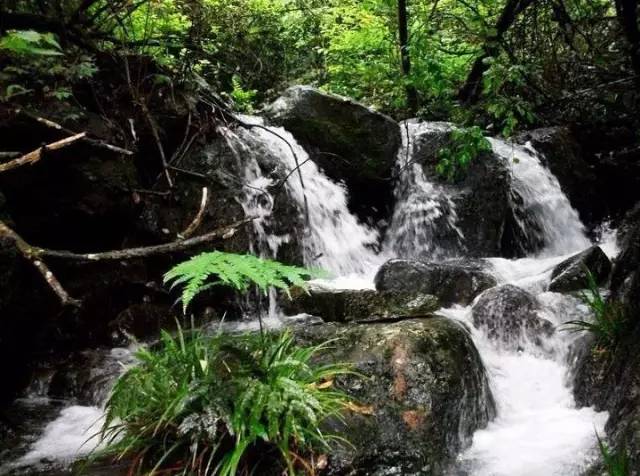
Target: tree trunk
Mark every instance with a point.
(627, 11)
(470, 92)
(403, 33)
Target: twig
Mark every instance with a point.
(197, 220)
(35, 155)
(150, 121)
(145, 251)
(88, 140)
(28, 252)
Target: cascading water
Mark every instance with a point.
(333, 238)
(545, 209)
(424, 217)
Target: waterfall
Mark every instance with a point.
(545, 209)
(333, 238)
(424, 221)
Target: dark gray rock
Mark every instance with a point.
(360, 305)
(610, 378)
(452, 282)
(572, 273)
(349, 141)
(509, 314)
(424, 394)
(562, 154)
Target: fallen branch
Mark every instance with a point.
(35, 155)
(59, 127)
(145, 251)
(28, 252)
(197, 220)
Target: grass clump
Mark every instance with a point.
(608, 323)
(205, 405)
(616, 463)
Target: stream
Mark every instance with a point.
(538, 430)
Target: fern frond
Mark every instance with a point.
(234, 270)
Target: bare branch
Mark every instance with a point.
(59, 127)
(35, 155)
(28, 252)
(197, 220)
(224, 233)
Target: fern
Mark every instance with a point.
(234, 270)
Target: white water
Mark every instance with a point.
(538, 430)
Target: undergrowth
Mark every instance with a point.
(205, 405)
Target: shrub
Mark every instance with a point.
(609, 320)
(203, 405)
(464, 146)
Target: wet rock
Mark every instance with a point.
(424, 394)
(610, 378)
(572, 273)
(349, 141)
(86, 377)
(563, 156)
(452, 282)
(509, 314)
(360, 305)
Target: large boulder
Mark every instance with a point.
(573, 273)
(423, 394)
(349, 141)
(360, 305)
(509, 315)
(452, 282)
(563, 155)
(610, 379)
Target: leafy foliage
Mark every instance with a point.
(616, 463)
(200, 405)
(609, 319)
(464, 146)
(237, 271)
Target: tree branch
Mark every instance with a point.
(225, 232)
(29, 253)
(35, 155)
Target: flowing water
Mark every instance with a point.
(538, 430)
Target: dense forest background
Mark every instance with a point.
(508, 64)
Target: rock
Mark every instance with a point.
(572, 274)
(509, 314)
(349, 141)
(360, 305)
(563, 155)
(85, 377)
(452, 282)
(610, 380)
(424, 394)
